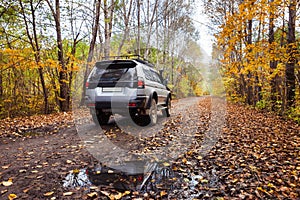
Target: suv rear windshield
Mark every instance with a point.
(112, 73)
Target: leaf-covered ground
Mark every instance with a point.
(249, 155)
(256, 157)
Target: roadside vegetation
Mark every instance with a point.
(257, 45)
(47, 49)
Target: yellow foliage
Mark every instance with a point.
(50, 63)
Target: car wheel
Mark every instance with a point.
(166, 111)
(101, 118)
(153, 112)
(135, 117)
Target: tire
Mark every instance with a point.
(101, 118)
(153, 112)
(136, 118)
(145, 120)
(166, 111)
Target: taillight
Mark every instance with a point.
(87, 84)
(140, 178)
(132, 104)
(141, 83)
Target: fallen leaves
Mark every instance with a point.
(12, 196)
(163, 193)
(67, 193)
(47, 194)
(7, 183)
(5, 166)
(69, 161)
(115, 196)
(92, 194)
(34, 125)
(257, 156)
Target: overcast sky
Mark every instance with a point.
(202, 25)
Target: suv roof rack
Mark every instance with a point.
(135, 57)
(146, 62)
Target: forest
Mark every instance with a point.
(257, 46)
(47, 49)
(233, 131)
(47, 45)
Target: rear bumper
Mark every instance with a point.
(118, 102)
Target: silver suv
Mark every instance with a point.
(130, 87)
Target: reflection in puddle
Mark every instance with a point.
(131, 176)
(77, 178)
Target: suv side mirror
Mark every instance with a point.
(165, 82)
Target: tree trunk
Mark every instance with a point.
(249, 75)
(165, 31)
(126, 16)
(36, 48)
(91, 49)
(150, 25)
(291, 51)
(108, 22)
(64, 100)
(1, 85)
(139, 27)
(273, 63)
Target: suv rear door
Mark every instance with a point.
(117, 73)
(111, 81)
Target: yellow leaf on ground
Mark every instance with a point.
(47, 194)
(188, 163)
(26, 190)
(67, 193)
(3, 191)
(127, 192)
(118, 196)
(182, 170)
(105, 193)
(163, 193)
(204, 181)
(93, 187)
(12, 196)
(7, 183)
(93, 194)
(5, 167)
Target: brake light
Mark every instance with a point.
(141, 83)
(140, 178)
(132, 104)
(87, 84)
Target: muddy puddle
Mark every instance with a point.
(141, 176)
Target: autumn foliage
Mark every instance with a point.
(46, 45)
(258, 49)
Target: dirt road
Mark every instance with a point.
(217, 150)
